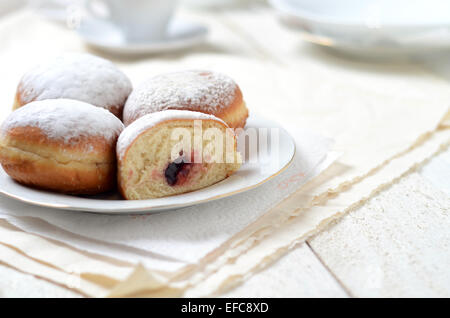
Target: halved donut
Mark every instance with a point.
(173, 152)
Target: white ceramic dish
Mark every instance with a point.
(248, 177)
(379, 24)
(105, 36)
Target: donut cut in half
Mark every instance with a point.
(173, 152)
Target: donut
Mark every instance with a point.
(172, 152)
(201, 91)
(61, 145)
(78, 76)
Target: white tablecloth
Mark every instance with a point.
(323, 276)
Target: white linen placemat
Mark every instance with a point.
(185, 235)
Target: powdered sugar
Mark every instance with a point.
(142, 124)
(203, 91)
(65, 119)
(83, 77)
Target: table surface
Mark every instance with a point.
(403, 246)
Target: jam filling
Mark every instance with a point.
(177, 172)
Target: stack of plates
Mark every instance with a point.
(380, 25)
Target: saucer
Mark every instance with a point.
(107, 37)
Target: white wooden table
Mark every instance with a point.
(398, 244)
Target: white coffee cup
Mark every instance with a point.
(139, 20)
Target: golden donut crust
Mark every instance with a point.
(30, 158)
(234, 113)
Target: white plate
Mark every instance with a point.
(383, 24)
(248, 177)
(105, 36)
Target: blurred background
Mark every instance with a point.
(368, 28)
(371, 74)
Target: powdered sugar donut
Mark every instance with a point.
(201, 91)
(78, 76)
(61, 145)
(153, 162)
